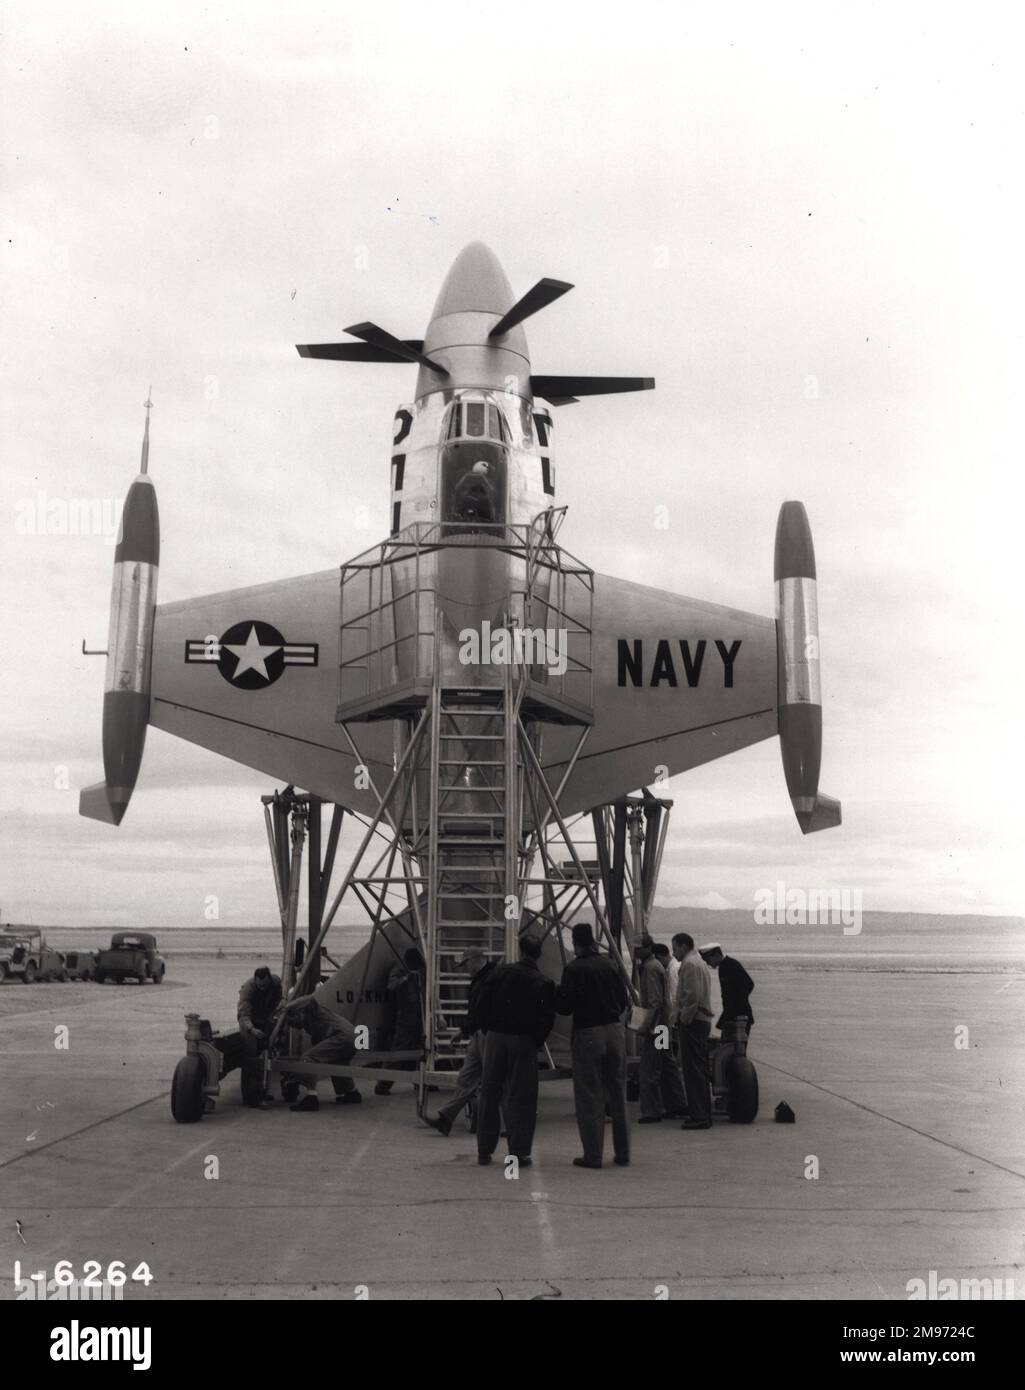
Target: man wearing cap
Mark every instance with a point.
(692, 1015)
(662, 1093)
(257, 1000)
(594, 991)
(475, 964)
(334, 1042)
(735, 985)
(516, 1010)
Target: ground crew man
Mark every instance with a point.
(334, 1040)
(478, 967)
(594, 991)
(515, 1010)
(406, 986)
(258, 1000)
(662, 1094)
(672, 967)
(735, 985)
(692, 1015)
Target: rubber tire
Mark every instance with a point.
(187, 1089)
(158, 978)
(741, 1091)
(29, 977)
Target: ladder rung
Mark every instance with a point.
(474, 896)
(469, 869)
(471, 762)
(467, 925)
(473, 738)
(466, 791)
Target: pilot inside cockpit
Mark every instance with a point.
(474, 496)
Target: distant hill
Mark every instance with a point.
(710, 923)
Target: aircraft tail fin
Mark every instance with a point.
(94, 803)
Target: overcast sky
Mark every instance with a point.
(805, 222)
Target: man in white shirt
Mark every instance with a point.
(692, 1017)
(672, 966)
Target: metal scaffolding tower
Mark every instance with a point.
(467, 847)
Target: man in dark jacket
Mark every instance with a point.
(594, 991)
(258, 999)
(515, 1010)
(735, 985)
(478, 967)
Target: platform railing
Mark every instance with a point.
(389, 598)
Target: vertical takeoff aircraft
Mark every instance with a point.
(276, 676)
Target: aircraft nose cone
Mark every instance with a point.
(475, 283)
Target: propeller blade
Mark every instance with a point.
(560, 389)
(357, 352)
(543, 293)
(378, 338)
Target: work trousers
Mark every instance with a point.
(252, 1054)
(694, 1065)
(338, 1049)
(468, 1080)
(661, 1088)
(510, 1065)
(599, 1080)
(404, 1038)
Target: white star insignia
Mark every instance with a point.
(252, 656)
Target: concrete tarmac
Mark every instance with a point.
(916, 1130)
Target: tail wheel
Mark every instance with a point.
(741, 1091)
(187, 1089)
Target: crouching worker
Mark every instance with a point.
(334, 1041)
(258, 1000)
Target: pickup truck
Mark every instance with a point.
(24, 955)
(132, 955)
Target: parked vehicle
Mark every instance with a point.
(24, 955)
(132, 955)
(80, 965)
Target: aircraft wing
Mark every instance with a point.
(252, 674)
(677, 682)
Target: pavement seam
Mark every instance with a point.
(94, 1124)
(922, 1133)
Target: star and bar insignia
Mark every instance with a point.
(251, 655)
